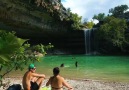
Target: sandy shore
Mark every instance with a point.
(79, 84)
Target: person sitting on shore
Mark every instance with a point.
(32, 80)
(57, 82)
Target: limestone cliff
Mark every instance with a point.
(32, 17)
(41, 21)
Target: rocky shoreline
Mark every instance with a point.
(77, 84)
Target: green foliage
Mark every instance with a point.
(68, 10)
(9, 45)
(11, 52)
(111, 34)
(88, 25)
(99, 17)
(76, 21)
(41, 48)
(15, 52)
(119, 10)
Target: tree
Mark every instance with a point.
(119, 10)
(111, 35)
(88, 25)
(15, 52)
(76, 21)
(68, 10)
(99, 17)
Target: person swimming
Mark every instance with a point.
(62, 65)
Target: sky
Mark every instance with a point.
(88, 8)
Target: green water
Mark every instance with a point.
(108, 68)
(111, 68)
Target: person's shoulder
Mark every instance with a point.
(61, 77)
(27, 72)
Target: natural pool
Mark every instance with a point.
(108, 68)
(112, 68)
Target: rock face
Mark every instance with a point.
(31, 15)
(41, 21)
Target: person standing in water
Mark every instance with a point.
(76, 64)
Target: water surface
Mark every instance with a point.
(108, 68)
(111, 68)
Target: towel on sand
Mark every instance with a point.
(45, 88)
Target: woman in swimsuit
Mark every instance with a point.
(57, 82)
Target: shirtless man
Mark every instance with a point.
(32, 80)
(57, 82)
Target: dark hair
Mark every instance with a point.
(56, 71)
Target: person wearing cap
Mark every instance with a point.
(57, 82)
(31, 79)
